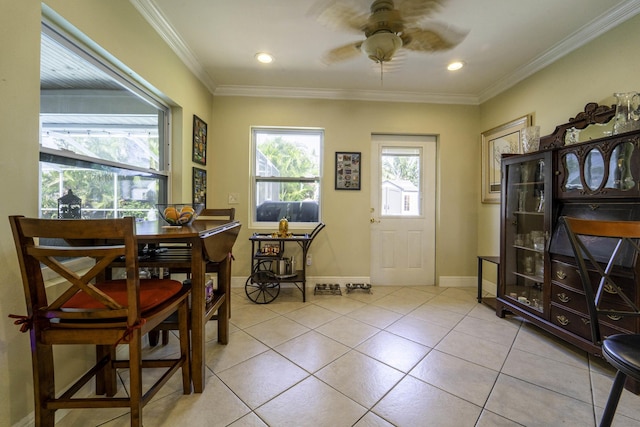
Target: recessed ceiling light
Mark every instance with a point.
(455, 66)
(264, 58)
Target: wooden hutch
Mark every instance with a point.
(581, 170)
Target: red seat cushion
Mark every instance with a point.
(153, 292)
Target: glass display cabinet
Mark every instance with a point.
(525, 232)
(584, 170)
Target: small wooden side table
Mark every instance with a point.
(491, 302)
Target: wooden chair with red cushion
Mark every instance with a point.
(93, 311)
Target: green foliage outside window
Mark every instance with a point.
(98, 191)
(291, 160)
(401, 168)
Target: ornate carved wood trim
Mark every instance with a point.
(592, 114)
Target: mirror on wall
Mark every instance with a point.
(591, 132)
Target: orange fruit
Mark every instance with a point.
(171, 214)
(185, 217)
(187, 209)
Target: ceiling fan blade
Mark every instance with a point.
(343, 53)
(432, 40)
(413, 11)
(338, 15)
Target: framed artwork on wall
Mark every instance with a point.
(348, 170)
(200, 186)
(504, 139)
(199, 141)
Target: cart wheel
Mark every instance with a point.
(262, 287)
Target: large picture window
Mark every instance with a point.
(286, 175)
(102, 136)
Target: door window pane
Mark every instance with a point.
(400, 181)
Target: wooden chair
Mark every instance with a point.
(601, 249)
(174, 252)
(93, 311)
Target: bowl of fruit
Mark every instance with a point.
(179, 214)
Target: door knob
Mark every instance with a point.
(372, 220)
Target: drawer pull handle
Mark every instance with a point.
(610, 289)
(585, 321)
(561, 274)
(564, 297)
(614, 317)
(562, 320)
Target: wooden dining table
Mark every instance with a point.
(205, 240)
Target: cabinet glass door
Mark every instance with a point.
(526, 230)
(599, 169)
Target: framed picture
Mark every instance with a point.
(504, 139)
(199, 141)
(200, 186)
(348, 170)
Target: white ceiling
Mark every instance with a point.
(507, 41)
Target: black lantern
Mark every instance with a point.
(69, 206)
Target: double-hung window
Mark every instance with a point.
(286, 175)
(103, 136)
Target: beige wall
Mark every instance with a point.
(592, 73)
(342, 249)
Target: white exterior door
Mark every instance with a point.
(403, 197)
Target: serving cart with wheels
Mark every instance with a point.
(268, 250)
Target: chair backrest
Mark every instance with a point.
(229, 214)
(85, 239)
(601, 279)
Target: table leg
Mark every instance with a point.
(479, 279)
(197, 316)
(224, 281)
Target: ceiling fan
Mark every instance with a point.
(387, 29)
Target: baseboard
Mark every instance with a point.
(445, 281)
(490, 288)
(458, 281)
(239, 282)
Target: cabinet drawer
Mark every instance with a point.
(569, 297)
(576, 301)
(565, 274)
(570, 321)
(580, 324)
(568, 276)
(626, 284)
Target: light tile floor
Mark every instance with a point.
(400, 356)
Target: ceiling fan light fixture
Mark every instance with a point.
(381, 46)
(455, 66)
(264, 58)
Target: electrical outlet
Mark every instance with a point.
(308, 259)
(234, 198)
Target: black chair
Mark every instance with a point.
(602, 249)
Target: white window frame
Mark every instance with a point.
(256, 179)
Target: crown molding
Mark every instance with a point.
(592, 30)
(344, 94)
(157, 20)
(584, 35)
